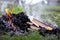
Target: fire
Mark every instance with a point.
(8, 13)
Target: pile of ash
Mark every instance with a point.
(17, 23)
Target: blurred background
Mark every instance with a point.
(47, 11)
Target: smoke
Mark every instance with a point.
(34, 9)
(4, 5)
(52, 23)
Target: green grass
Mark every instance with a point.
(33, 35)
(30, 36)
(0, 14)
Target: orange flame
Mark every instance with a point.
(8, 13)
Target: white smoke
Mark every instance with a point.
(4, 5)
(35, 11)
(52, 22)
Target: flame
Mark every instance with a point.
(8, 13)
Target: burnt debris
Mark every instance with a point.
(18, 23)
(44, 32)
(20, 20)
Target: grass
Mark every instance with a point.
(53, 12)
(0, 14)
(33, 35)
